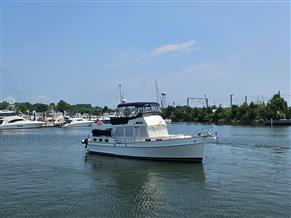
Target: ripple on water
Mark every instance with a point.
(45, 173)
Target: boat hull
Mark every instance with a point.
(79, 124)
(21, 126)
(175, 150)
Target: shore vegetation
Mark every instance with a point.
(245, 114)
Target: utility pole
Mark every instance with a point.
(206, 101)
(231, 100)
(246, 99)
(163, 99)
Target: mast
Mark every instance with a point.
(120, 93)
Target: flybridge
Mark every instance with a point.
(138, 104)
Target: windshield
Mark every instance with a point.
(15, 120)
(133, 111)
(128, 111)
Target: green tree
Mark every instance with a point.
(52, 106)
(38, 107)
(63, 106)
(277, 107)
(24, 107)
(4, 105)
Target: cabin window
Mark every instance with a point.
(155, 108)
(129, 131)
(119, 132)
(141, 131)
(15, 120)
(128, 111)
(147, 109)
(106, 121)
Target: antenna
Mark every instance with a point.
(231, 100)
(157, 92)
(120, 93)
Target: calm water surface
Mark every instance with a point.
(46, 173)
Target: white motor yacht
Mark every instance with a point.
(77, 122)
(139, 131)
(16, 122)
(7, 113)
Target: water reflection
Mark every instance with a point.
(141, 187)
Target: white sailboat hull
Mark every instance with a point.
(173, 149)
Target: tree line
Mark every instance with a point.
(61, 106)
(247, 114)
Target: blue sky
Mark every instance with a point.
(80, 52)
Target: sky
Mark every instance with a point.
(80, 51)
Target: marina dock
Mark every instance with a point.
(281, 122)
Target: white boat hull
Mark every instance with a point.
(21, 126)
(175, 149)
(79, 124)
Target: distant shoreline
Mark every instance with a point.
(231, 124)
(250, 114)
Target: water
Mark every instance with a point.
(46, 173)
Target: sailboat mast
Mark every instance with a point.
(120, 93)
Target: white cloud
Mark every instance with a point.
(184, 47)
(40, 98)
(10, 99)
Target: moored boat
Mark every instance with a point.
(77, 122)
(139, 131)
(7, 113)
(168, 121)
(16, 122)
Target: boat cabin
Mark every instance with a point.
(136, 120)
(11, 119)
(6, 113)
